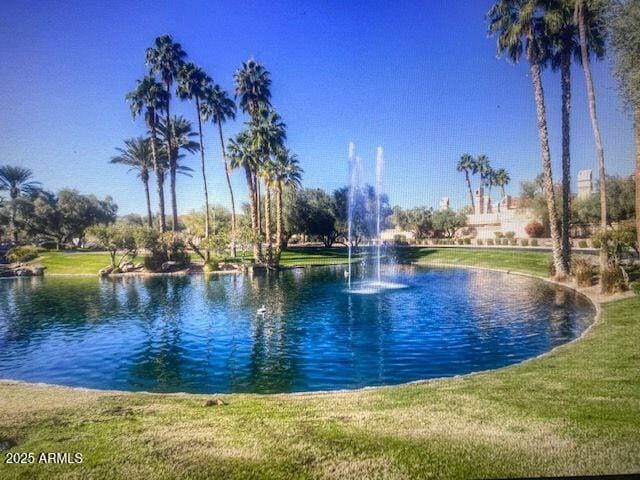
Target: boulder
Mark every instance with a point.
(127, 267)
(169, 266)
(38, 270)
(139, 266)
(22, 272)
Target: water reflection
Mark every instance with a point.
(202, 334)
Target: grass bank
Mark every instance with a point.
(88, 263)
(575, 411)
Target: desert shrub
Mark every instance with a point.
(459, 241)
(510, 234)
(22, 254)
(513, 242)
(596, 243)
(498, 234)
(490, 241)
(479, 241)
(534, 229)
(467, 241)
(534, 242)
(524, 242)
(505, 241)
(613, 279)
(635, 286)
(582, 243)
(582, 270)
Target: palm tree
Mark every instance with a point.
(253, 90)
(150, 96)
(466, 164)
(267, 135)
(565, 45)
(17, 181)
(501, 179)
(136, 155)
(193, 83)
(590, 13)
(218, 107)
(483, 167)
(165, 58)
(287, 174)
(520, 28)
(490, 180)
(180, 139)
(241, 155)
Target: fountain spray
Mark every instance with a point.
(350, 193)
(379, 166)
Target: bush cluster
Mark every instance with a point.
(582, 270)
(534, 229)
(613, 280)
(22, 254)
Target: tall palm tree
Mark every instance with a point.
(165, 58)
(180, 136)
(483, 167)
(17, 181)
(287, 174)
(136, 155)
(193, 83)
(562, 31)
(241, 155)
(586, 13)
(501, 179)
(151, 97)
(268, 134)
(253, 87)
(218, 108)
(520, 28)
(490, 180)
(466, 165)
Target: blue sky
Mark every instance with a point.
(419, 78)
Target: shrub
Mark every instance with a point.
(613, 280)
(534, 229)
(460, 241)
(211, 265)
(635, 286)
(498, 234)
(582, 270)
(467, 241)
(22, 254)
(534, 242)
(505, 241)
(513, 242)
(582, 243)
(524, 242)
(510, 234)
(490, 241)
(399, 239)
(479, 242)
(596, 243)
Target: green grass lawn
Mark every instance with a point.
(575, 411)
(529, 262)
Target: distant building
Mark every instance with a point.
(444, 203)
(585, 184)
(504, 217)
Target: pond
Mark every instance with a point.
(203, 334)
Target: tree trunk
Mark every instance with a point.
(473, 203)
(591, 94)
(278, 218)
(12, 220)
(256, 182)
(565, 75)
(204, 183)
(158, 171)
(637, 135)
(233, 202)
(257, 254)
(267, 223)
(148, 199)
(174, 203)
(546, 170)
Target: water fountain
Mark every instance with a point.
(375, 284)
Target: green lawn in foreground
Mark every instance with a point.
(574, 412)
